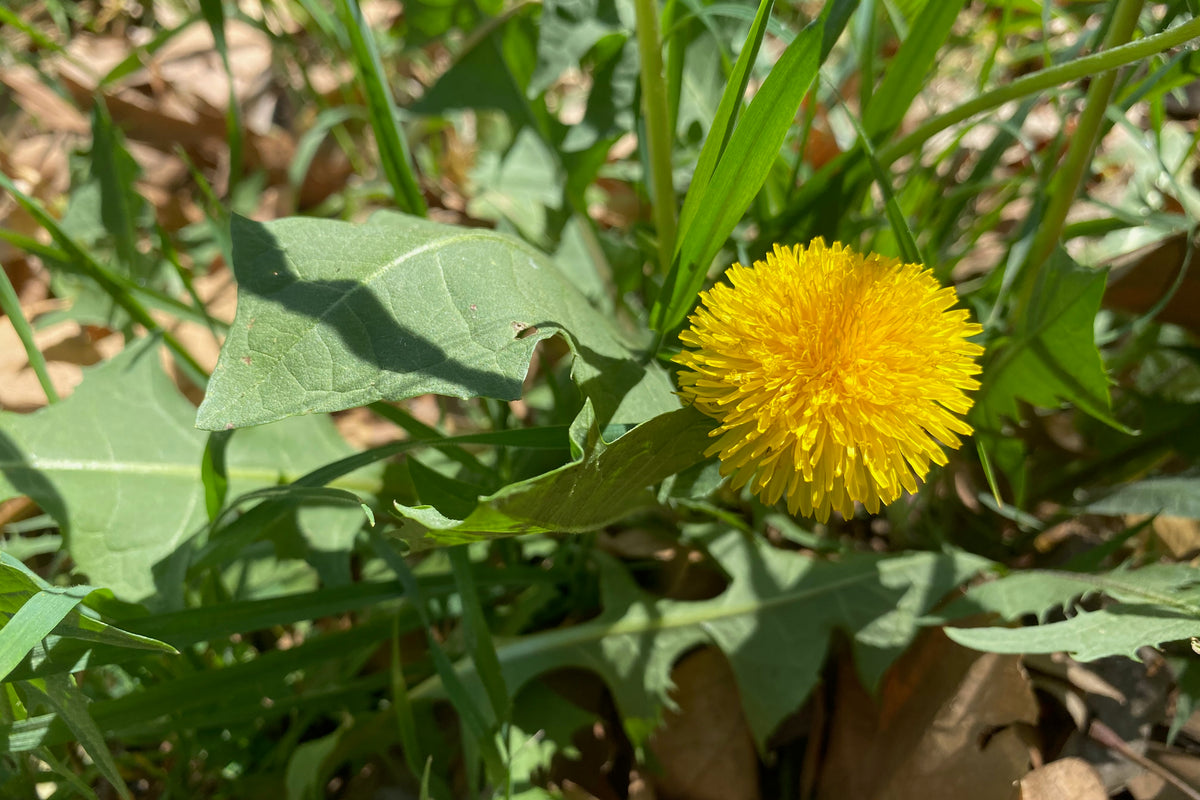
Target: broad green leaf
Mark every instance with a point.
(740, 170)
(118, 466)
(1052, 355)
(611, 482)
(1117, 630)
(333, 315)
(773, 622)
(519, 186)
(493, 72)
(1154, 604)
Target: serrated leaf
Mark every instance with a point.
(773, 622)
(1118, 630)
(118, 465)
(1051, 356)
(1174, 495)
(333, 315)
(609, 483)
(1154, 604)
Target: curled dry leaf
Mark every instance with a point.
(1065, 779)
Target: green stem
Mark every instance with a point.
(112, 287)
(654, 97)
(1065, 186)
(10, 304)
(1091, 65)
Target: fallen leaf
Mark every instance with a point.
(1144, 277)
(1065, 779)
(705, 749)
(947, 725)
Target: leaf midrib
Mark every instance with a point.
(177, 469)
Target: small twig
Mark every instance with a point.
(1108, 737)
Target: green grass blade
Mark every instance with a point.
(31, 623)
(116, 171)
(740, 172)
(905, 74)
(112, 285)
(393, 150)
(10, 304)
(478, 637)
(726, 118)
(9, 17)
(70, 703)
(1085, 67)
(657, 126)
(476, 718)
(214, 15)
(719, 134)
(904, 236)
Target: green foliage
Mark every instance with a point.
(268, 608)
(609, 483)
(1155, 604)
(332, 316)
(773, 622)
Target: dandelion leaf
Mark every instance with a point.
(1051, 356)
(117, 465)
(774, 622)
(1149, 606)
(609, 482)
(333, 315)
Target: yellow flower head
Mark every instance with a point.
(836, 377)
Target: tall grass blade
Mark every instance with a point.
(393, 150)
(739, 173)
(10, 304)
(905, 74)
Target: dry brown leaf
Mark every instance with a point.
(1065, 779)
(1149, 786)
(1180, 535)
(705, 749)
(67, 348)
(1144, 277)
(947, 725)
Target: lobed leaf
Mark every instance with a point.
(773, 622)
(1154, 604)
(1052, 355)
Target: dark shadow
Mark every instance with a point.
(366, 324)
(30, 481)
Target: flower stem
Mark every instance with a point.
(1065, 186)
(658, 131)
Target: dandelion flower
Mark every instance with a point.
(836, 377)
